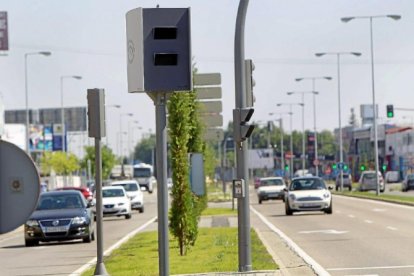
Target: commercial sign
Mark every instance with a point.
(261, 159)
(4, 36)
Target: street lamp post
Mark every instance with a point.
(291, 135)
(338, 55)
(62, 111)
(314, 117)
(43, 53)
(345, 20)
(282, 154)
(120, 130)
(107, 121)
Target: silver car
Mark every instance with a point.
(367, 181)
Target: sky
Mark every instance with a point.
(88, 38)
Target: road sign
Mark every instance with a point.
(340, 165)
(207, 79)
(315, 162)
(19, 186)
(213, 134)
(212, 120)
(208, 92)
(211, 107)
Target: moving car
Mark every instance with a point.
(271, 188)
(346, 181)
(367, 181)
(115, 202)
(308, 194)
(84, 190)
(133, 192)
(392, 177)
(60, 215)
(408, 182)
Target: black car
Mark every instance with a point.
(60, 215)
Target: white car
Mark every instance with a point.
(115, 202)
(308, 194)
(271, 188)
(133, 192)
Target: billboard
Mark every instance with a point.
(4, 36)
(16, 134)
(261, 159)
(1, 116)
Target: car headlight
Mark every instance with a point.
(79, 220)
(326, 195)
(32, 222)
(292, 196)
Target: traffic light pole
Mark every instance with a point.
(243, 210)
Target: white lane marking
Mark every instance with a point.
(308, 259)
(376, 202)
(368, 221)
(89, 264)
(361, 275)
(328, 231)
(351, 216)
(369, 268)
(379, 210)
(392, 228)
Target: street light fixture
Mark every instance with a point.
(347, 19)
(291, 134)
(338, 55)
(42, 53)
(314, 116)
(62, 111)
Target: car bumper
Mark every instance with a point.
(273, 195)
(319, 205)
(116, 211)
(36, 233)
(137, 204)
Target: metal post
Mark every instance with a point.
(162, 194)
(282, 154)
(100, 266)
(315, 135)
(245, 263)
(303, 135)
(62, 116)
(341, 157)
(291, 144)
(27, 105)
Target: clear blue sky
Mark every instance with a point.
(87, 38)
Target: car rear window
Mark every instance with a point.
(271, 182)
(307, 184)
(129, 187)
(369, 175)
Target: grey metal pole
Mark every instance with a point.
(244, 244)
(282, 154)
(291, 144)
(315, 135)
(374, 110)
(62, 115)
(341, 157)
(27, 105)
(303, 135)
(100, 266)
(162, 194)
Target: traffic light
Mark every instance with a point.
(286, 167)
(334, 166)
(345, 167)
(250, 83)
(384, 168)
(159, 50)
(241, 117)
(390, 111)
(362, 168)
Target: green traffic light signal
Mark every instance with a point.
(390, 111)
(362, 167)
(334, 166)
(384, 167)
(286, 167)
(345, 167)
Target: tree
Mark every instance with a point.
(60, 162)
(144, 149)
(108, 160)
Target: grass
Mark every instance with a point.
(214, 251)
(218, 212)
(215, 193)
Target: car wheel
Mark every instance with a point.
(329, 210)
(382, 190)
(141, 210)
(336, 188)
(288, 211)
(93, 235)
(260, 200)
(88, 239)
(30, 243)
(128, 216)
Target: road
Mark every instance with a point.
(361, 237)
(66, 257)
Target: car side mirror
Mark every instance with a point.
(330, 188)
(285, 189)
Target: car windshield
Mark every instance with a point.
(271, 182)
(142, 172)
(129, 187)
(113, 193)
(369, 175)
(307, 184)
(63, 201)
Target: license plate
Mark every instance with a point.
(55, 229)
(310, 204)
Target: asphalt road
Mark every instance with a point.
(64, 258)
(361, 237)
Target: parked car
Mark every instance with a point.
(271, 188)
(84, 190)
(308, 194)
(60, 215)
(392, 177)
(133, 192)
(346, 181)
(408, 182)
(115, 202)
(367, 181)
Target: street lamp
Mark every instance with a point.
(107, 117)
(282, 154)
(345, 20)
(291, 133)
(62, 111)
(43, 53)
(338, 55)
(314, 117)
(120, 129)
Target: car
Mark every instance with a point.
(367, 181)
(346, 181)
(115, 202)
(308, 194)
(408, 183)
(392, 177)
(271, 188)
(133, 192)
(60, 215)
(84, 190)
